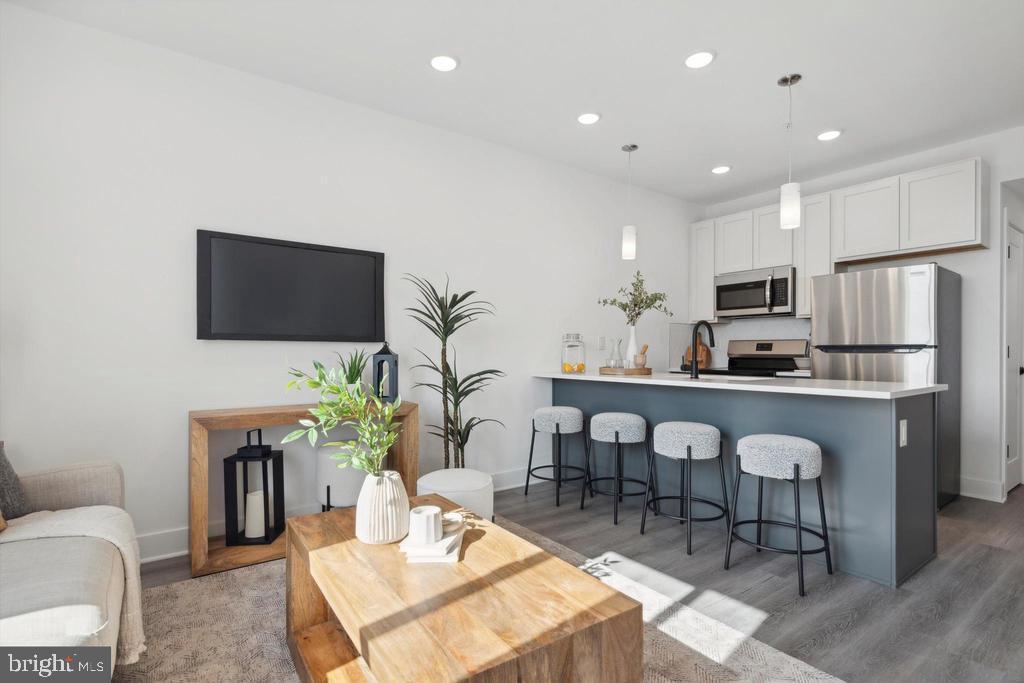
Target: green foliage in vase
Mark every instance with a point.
(444, 314)
(637, 300)
(347, 404)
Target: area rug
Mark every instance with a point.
(229, 627)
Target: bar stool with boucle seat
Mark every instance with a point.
(557, 421)
(686, 442)
(788, 458)
(616, 429)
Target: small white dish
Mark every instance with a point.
(451, 521)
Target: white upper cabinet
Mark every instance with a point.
(773, 246)
(702, 271)
(865, 219)
(939, 206)
(811, 248)
(734, 243)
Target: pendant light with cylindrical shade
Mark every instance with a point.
(789, 193)
(629, 231)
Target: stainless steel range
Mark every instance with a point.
(761, 358)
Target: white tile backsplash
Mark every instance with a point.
(744, 328)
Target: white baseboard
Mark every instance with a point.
(982, 489)
(162, 545)
(509, 479)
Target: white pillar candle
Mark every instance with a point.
(254, 514)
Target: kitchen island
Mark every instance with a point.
(878, 479)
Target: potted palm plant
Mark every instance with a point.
(444, 313)
(382, 508)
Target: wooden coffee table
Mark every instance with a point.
(506, 611)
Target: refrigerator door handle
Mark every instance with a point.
(872, 348)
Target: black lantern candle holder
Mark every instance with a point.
(269, 460)
(385, 365)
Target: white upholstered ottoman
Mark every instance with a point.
(472, 489)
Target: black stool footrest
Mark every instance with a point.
(776, 549)
(615, 493)
(718, 506)
(551, 467)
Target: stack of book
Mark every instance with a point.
(445, 551)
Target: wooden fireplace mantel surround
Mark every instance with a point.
(208, 554)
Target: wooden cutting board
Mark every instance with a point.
(703, 353)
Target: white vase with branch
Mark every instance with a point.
(382, 508)
(634, 303)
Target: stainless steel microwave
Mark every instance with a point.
(767, 291)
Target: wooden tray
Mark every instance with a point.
(624, 371)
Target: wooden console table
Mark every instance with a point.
(209, 554)
(507, 611)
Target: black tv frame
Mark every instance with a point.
(203, 284)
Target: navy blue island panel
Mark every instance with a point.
(879, 496)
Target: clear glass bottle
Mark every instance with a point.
(574, 354)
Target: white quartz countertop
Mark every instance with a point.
(767, 385)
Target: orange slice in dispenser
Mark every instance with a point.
(581, 368)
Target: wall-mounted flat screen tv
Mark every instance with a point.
(256, 288)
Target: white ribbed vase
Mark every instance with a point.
(382, 510)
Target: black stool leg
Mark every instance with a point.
(732, 517)
(558, 464)
(617, 491)
(682, 487)
(619, 464)
(760, 494)
(647, 493)
(799, 535)
(824, 527)
(650, 449)
(689, 489)
(725, 494)
(586, 472)
(529, 463)
(586, 455)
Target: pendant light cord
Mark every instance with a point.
(789, 131)
(629, 181)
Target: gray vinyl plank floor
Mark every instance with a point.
(960, 618)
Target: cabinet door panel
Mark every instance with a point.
(734, 243)
(811, 253)
(702, 271)
(773, 246)
(865, 219)
(938, 206)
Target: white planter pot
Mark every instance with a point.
(382, 511)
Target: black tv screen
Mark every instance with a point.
(256, 288)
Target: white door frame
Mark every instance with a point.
(1004, 361)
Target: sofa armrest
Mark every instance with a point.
(71, 486)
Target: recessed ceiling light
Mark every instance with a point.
(699, 60)
(721, 170)
(588, 119)
(829, 135)
(444, 63)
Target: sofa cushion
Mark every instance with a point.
(60, 591)
(13, 503)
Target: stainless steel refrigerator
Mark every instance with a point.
(895, 325)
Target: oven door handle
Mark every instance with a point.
(768, 293)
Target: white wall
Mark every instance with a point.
(1003, 152)
(114, 152)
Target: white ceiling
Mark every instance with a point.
(897, 76)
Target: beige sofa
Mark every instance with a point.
(64, 591)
